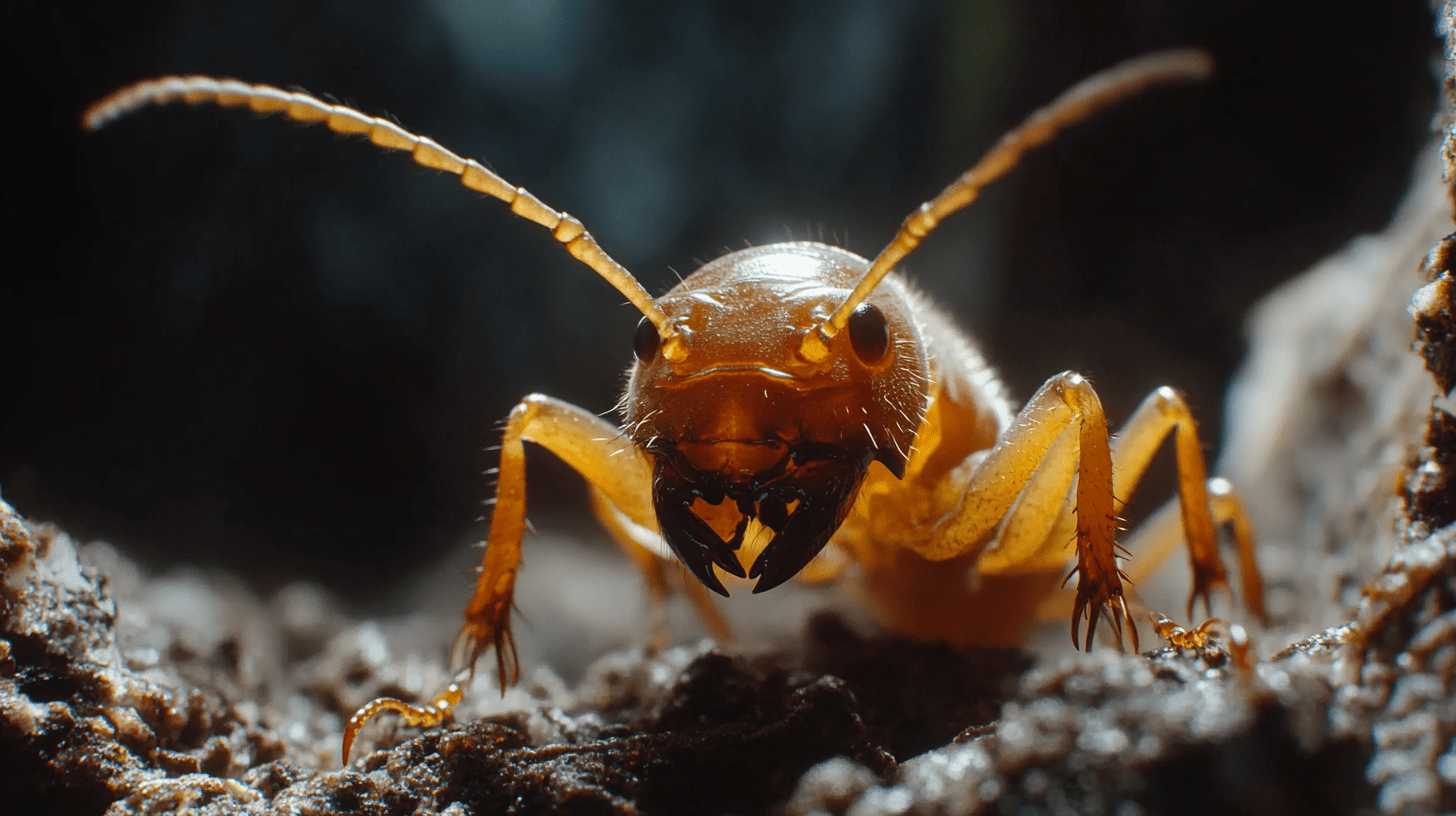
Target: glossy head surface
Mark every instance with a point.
(743, 416)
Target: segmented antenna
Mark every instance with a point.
(1080, 101)
(307, 109)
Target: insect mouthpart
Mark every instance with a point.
(803, 497)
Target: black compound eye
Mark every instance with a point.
(645, 341)
(869, 333)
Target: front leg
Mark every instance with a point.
(1013, 500)
(593, 447)
(614, 467)
(1021, 491)
(1202, 506)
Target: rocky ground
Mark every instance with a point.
(128, 693)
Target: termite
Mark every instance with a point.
(1205, 642)
(1195, 640)
(797, 410)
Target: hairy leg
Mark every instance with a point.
(609, 462)
(1021, 485)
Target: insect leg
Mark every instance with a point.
(1160, 534)
(1033, 460)
(1203, 503)
(594, 448)
(1035, 531)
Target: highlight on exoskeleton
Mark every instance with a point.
(786, 416)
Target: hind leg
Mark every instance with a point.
(1203, 503)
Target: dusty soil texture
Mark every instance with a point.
(127, 693)
(202, 697)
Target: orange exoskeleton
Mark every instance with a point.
(1213, 640)
(797, 410)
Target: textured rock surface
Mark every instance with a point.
(198, 696)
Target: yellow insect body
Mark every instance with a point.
(797, 410)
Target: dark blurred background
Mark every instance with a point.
(261, 346)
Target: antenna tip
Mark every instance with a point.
(1192, 63)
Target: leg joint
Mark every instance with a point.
(527, 408)
(1170, 401)
(1076, 391)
